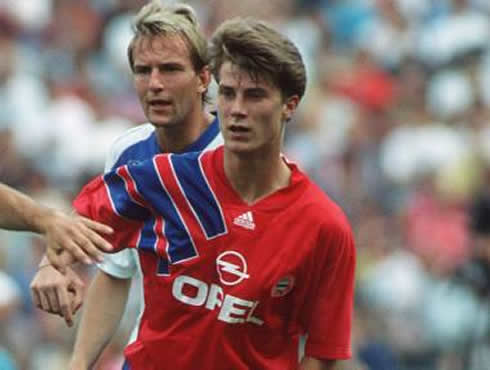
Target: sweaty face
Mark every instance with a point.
(251, 112)
(166, 83)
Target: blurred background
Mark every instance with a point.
(395, 127)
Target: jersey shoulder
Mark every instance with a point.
(132, 144)
(331, 227)
(316, 204)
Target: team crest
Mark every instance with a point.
(283, 286)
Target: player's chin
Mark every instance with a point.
(160, 120)
(239, 147)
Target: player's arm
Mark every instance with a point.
(331, 297)
(107, 295)
(57, 293)
(310, 363)
(18, 211)
(56, 288)
(105, 199)
(77, 235)
(104, 306)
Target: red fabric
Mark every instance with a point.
(248, 295)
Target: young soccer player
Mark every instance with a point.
(246, 254)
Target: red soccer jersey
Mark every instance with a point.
(228, 285)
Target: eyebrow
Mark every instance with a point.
(221, 86)
(256, 89)
(166, 64)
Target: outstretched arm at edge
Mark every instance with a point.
(76, 235)
(20, 212)
(103, 308)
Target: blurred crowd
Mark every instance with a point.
(395, 126)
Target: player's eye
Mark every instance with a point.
(170, 67)
(226, 92)
(256, 93)
(142, 70)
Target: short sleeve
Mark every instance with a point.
(329, 316)
(122, 265)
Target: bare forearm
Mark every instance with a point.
(310, 363)
(103, 308)
(20, 212)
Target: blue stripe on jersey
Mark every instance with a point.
(148, 238)
(180, 246)
(196, 189)
(162, 268)
(121, 200)
(139, 151)
(147, 148)
(206, 137)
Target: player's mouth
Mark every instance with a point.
(239, 129)
(159, 103)
(238, 132)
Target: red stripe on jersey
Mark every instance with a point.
(161, 242)
(206, 164)
(131, 187)
(170, 182)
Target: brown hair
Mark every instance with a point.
(262, 51)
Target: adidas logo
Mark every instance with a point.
(245, 220)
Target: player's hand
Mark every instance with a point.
(76, 235)
(56, 293)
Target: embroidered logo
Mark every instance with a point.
(232, 268)
(283, 286)
(245, 220)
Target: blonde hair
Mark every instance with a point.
(155, 19)
(261, 51)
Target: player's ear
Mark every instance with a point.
(289, 107)
(204, 76)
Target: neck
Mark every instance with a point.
(176, 138)
(254, 177)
